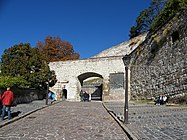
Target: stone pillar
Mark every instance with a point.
(78, 91)
(129, 84)
(105, 95)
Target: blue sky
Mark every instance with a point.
(91, 26)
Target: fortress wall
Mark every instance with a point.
(122, 48)
(102, 66)
(159, 64)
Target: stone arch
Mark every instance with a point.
(86, 75)
(95, 90)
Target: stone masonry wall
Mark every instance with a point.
(159, 64)
(70, 74)
(122, 48)
(26, 95)
(77, 70)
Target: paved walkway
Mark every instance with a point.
(150, 122)
(65, 121)
(21, 110)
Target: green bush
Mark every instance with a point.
(8, 81)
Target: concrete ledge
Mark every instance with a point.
(125, 129)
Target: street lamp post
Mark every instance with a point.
(49, 74)
(47, 92)
(126, 61)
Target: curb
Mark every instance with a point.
(26, 114)
(125, 129)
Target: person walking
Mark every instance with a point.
(52, 98)
(7, 99)
(81, 95)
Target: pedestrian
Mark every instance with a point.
(161, 99)
(7, 99)
(89, 98)
(86, 96)
(49, 95)
(81, 96)
(165, 98)
(1, 106)
(64, 93)
(52, 97)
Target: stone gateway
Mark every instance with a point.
(158, 65)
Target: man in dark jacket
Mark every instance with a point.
(7, 99)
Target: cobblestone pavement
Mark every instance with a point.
(22, 109)
(65, 121)
(151, 122)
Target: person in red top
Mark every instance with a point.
(7, 99)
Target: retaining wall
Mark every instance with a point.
(26, 95)
(159, 64)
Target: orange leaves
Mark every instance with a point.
(55, 49)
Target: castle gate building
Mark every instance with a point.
(107, 65)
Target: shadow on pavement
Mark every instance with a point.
(15, 114)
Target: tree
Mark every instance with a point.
(157, 6)
(146, 18)
(8, 81)
(156, 15)
(55, 49)
(26, 62)
(133, 32)
(143, 22)
(171, 8)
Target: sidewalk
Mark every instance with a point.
(66, 121)
(21, 110)
(150, 122)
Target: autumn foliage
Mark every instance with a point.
(55, 49)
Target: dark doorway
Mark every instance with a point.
(92, 84)
(97, 95)
(64, 92)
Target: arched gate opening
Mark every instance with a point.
(92, 84)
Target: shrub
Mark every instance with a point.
(8, 81)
